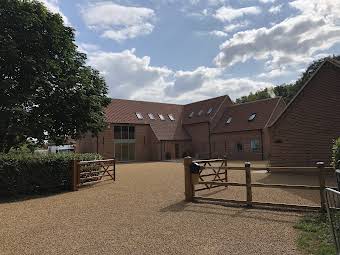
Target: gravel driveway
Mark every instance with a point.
(142, 213)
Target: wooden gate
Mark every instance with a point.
(219, 177)
(90, 172)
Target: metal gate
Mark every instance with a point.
(333, 211)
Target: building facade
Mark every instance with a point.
(303, 134)
(148, 131)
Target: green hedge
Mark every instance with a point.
(37, 173)
(336, 153)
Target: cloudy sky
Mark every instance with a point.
(185, 50)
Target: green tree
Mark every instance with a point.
(287, 91)
(46, 89)
(260, 94)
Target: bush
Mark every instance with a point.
(37, 173)
(336, 153)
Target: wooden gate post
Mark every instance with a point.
(322, 184)
(75, 175)
(225, 170)
(189, 187)
(248, 184)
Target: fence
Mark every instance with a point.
(90, 172)
(193, 179)
(333, 211)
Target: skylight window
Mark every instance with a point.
(229, 120)
(171, 117)
(210, 110)
(161, 116)
(200, 113)
(191, 114)
(139, 115)
(151, 116)
(252, 117)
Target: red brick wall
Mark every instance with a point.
(303, 134)
(200, 138)
(226, 145)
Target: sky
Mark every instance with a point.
(180, 51)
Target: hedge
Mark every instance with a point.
(37, 173)
(336, 153)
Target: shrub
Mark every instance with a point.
(37, 173)
(336, 153)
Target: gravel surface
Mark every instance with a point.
(144, 213)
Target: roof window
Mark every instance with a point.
(151, 116)
(252, 117)
(200, 113)
(191, 114)
(161, 116)
(139, 115)
(229, 120)
(210, 110)
(171, 117)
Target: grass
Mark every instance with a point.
(315, 235)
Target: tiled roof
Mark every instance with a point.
(200, 109)
(124, 112)
(240, 114)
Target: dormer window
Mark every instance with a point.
(139, 115)
(161, 116)
(200, 113)
(191, 114)
(229, 120)
(151, 116)
(171, 117)
(252, 117)
(210, 110)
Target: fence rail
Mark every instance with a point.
(192, 179)
(90, 172)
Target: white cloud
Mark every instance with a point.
(218, 33)
(227, 13)
(118, 22)
(295, 40)
(236, 26)
(275, 9)
(133, 77)
(267, 1)
(125, 73)
(53, 6)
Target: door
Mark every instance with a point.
(176, 150)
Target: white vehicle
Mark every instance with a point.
(60, 148)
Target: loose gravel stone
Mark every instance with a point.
(143, 213)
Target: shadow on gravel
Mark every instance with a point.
(21, 198)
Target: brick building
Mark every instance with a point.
(145, 131)
(303, 133)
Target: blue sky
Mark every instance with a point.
(185, 50)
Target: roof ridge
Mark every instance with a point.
(303, 87)
(143, 101)
(256, 101)
(208, 99)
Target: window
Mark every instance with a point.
(200, 113)
(151, 116)
(239, 147)
(124, 132)
(171, 117)
(124, 142)
(252, 117)
(118, 132)
(139, 115)
(161, 116)
(191, 114)
(229, 120)
(210, 110)
(255, 145)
